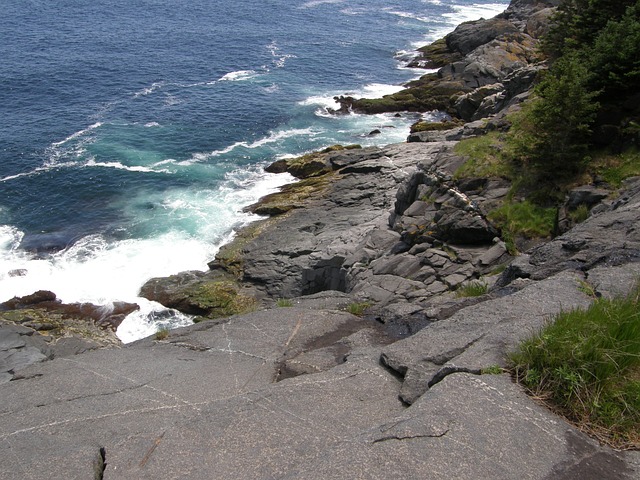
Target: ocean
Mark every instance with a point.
(133, 132)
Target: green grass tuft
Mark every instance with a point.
(162, 333)
(586, 363)
(358, 308)
(222, 299)
(486, 157)
(615, 168)
(524, 219)
(472, 289)
(580, 214)
(284, 302)
(492, 370)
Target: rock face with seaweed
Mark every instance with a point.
(483, 66)
(360, 330)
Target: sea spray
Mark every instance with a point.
(127, 156)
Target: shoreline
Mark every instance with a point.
(370, 357)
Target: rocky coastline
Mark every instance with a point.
(334, 337)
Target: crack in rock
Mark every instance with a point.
(448, 370)
(100, 464)
(195, 348)
(410, 437)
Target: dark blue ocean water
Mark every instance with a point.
(133, 132)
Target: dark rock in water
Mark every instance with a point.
(105, 316)
(374, 132)
(19, 272)
(279, 166)
(41, 296)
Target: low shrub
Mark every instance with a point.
(162, 333)
(586, 365)
(358, 308)
(472, 289)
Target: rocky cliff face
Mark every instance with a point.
(313, 391)
(483, 67)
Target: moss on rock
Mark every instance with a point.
(430, 92)
(220, 299)
(290, 196)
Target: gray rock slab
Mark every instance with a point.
(472, 427)
(614, 281)
(125, 400)
(265, 433)
(480, 335)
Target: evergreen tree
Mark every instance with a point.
(577, 23)
(554, 130)
(615, 57)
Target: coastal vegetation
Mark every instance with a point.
(221, 299)
(472, 289)
(358, 308)
(162, 333)
(588, 98)
(585, 364)
(580, 124)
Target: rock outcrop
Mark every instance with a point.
(39, 327)
(483, 67)
(378, 367)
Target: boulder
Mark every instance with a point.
(464, 228)
(470, 35)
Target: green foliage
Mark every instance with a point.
(524, 219)
(577, 23)
(615, 168)
(221, 299)
(594, 46)
(498, 270)
(587, 364)
(162, 333)
(284, 302)
(587, 288)
(472, 289)
(615, 56)
(552, 134)
(357, 308)
(580, 214)
(492, 370)
(487, 156)
(423, 126)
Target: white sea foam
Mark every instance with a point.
(77, 134)
(149, 319)
(151, 124)
(148, 90)
(38, 170)
(238, 76)
(99, 271)
(315, 3)
(280, 59)
(273, 137)
(412, 16)
(354, 11)
(328, 102)
(119, 166)
(467, 13)
(379, 90)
